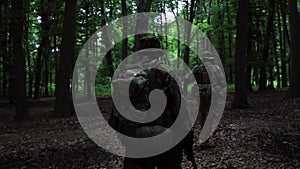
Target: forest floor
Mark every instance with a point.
(265, 135)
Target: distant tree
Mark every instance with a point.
(240, 97)
(230, 43)
(295, 49)
(43, 50)
(3, 46)
(285, 43)
(265, 54)
(142, 24)
(63, 106)
(125, 30)
(19, 58)
(106, 40)
(187, 31)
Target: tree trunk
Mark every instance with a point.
(125, 30)
(18, 53)
(285, 40)
(276, 57)
(55, 46)
(106, 40)
(142, 24)
(295, 49)
(87, 66)
(43, 52)
(47, 49)
(3, 45)
(229, 43)
(63, 104)
(249, 55)
(279, 69)
(221, 39)
(240, 97)
(265, 54)
(187, 33)
(30, 80)
(178, 34)
(38, 69)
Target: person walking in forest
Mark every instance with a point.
(140, 87)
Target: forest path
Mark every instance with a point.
(266, 135)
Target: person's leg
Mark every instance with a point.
(139, 163)
(204, 113)
(130, 163)
(170, 160)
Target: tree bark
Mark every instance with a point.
(43, 52)
(125, 30)
(265, 54)
(221, 39)
(3, 45)
(28, 57)
(87, 66)
(142, 24)
(18, 53)
(286, 42)
(187, 33)
(106, 40)
(240, 97)
(294, 18)
(229, 43)
(279, 69)
(63, 104)
(47, 48)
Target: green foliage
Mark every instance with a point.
(214, 20)
(103, 87)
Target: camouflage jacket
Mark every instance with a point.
(140, 87)
(202, 78)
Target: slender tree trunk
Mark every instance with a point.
(87, 66)
(200, 10)
(178, 33)
(285, 40)
(142, 24)
(240, 97)
(3, 45)
(279, 69)
(166, 27)
(276, 57)
(209, 18)
(209, 12)
(229, 43)
(188, 32)
(106, 40)
(47, 49)
(43, 52)
(221, 39)
(125, 30)
(38, 69)
(63, 104)
(284, 8)
(30, 80)
(265, 54)
(295, 49)
(55, 46)
(10, 67)
(249, 55)
(18, 53)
